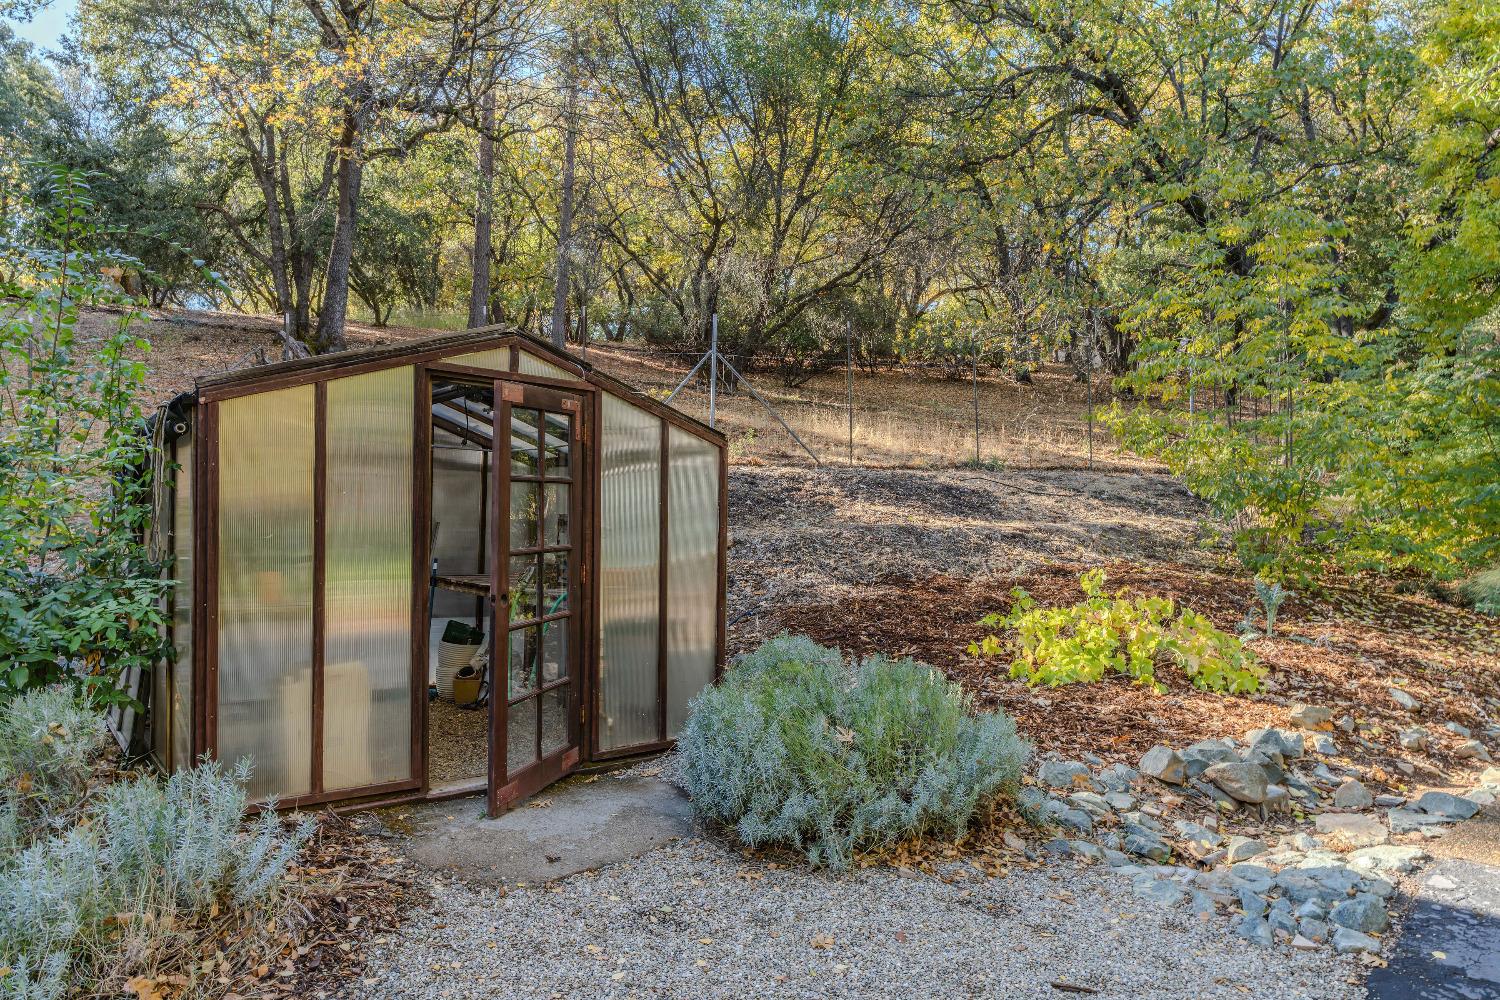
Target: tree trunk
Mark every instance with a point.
(335, 310)
(565, 206)
(479, 290)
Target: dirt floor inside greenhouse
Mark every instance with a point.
(904, 551)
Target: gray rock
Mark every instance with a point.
(1351, 830)
(1159, 890)
(1403, 699)
(1345, 723)
(1241, 781)
(1122, 801)
(1257, 878)
(1325, 745)
(1255, 929)
(1196, 833)
(1316, 930)
(1253, 903)
(1243, 849)
(1058, 847)
(1119, 777)
(1386, 858)
(1084, 849)
(1446, 805)
(1277, 799)
(1411, 821)
(1303, 944)
(1461, 731)
(1353, 794)
(1116, 859)
(1202, 755)
(1141, 819)
(1092, 803)
(1362, 913)
(1483, 796)
(1379, 887)
(1200, 902)
(1471, 750)
(1282, 921)
(1298, 842)
(1289, 745)
(1349, 942)
(1414, 738)
(1311, 716)
(1310, 909)
(1164, 764)
(1061, 773)
(1146, 844)
(1299, 887)
(1387, 801)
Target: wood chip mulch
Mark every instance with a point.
(1343, 648)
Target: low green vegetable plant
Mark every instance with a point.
(1116, 633)
(799, 748)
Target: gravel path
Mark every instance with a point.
(695, 920)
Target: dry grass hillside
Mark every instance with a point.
(901, 418)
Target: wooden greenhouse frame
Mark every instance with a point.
(229, 565)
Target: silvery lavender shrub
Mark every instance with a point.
(30, 980)
(50, 746)
(152, 848)
(797, 747)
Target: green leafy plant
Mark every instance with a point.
(1117, 634)
(79, 591)
(797, 747)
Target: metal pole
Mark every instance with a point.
(713, 370)
(686, 378)
(771, 409)
(975, 352)
(1091, 414)
(849, 377)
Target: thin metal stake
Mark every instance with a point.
(713, 370)
(771, 409)
(849, 375)
(975, 352)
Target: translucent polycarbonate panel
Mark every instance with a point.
(459, 493)
(178, 704)
(524, 435)
(497, 359)
(629, 537)
(530, 364)
(692, 570)
(367, 585)
(266, 587)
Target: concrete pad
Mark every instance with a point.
(574, 826)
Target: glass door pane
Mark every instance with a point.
(536, 494)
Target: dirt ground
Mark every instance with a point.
(906, 562)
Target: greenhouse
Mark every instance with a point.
(349, 536)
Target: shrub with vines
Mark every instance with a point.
(799, 748)
(1135, 636)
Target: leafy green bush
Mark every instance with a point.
(1483, 592)
(796, 747)
(79, 591)
(1117, 634)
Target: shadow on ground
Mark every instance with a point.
(1449, 947)
(575, 826)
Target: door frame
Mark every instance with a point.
(503, 789)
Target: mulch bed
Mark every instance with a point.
(1342, 648)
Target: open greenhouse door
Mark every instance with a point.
(538, 474)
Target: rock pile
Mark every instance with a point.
(1165, 825)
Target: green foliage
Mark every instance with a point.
(79, 594)
(1117, 634)
(797, 747)
(1483, 592)
(1271, 594)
